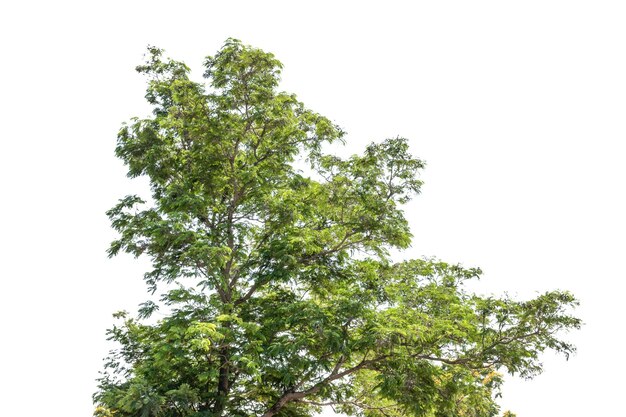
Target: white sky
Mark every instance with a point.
(518, 108)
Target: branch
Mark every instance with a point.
(334, 375)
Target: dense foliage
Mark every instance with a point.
(277, 293)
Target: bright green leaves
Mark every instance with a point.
(168, 364)
(202, 334)
(242, 73)
(513, 334)
(277, 293)
(215, 162)
(366, 190)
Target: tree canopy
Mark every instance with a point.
(270, 264)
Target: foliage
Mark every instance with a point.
(280, 296)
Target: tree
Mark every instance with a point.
(277, 290)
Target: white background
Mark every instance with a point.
(517, 107)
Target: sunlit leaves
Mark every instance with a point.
(276, 292)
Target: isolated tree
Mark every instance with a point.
(271, 267)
